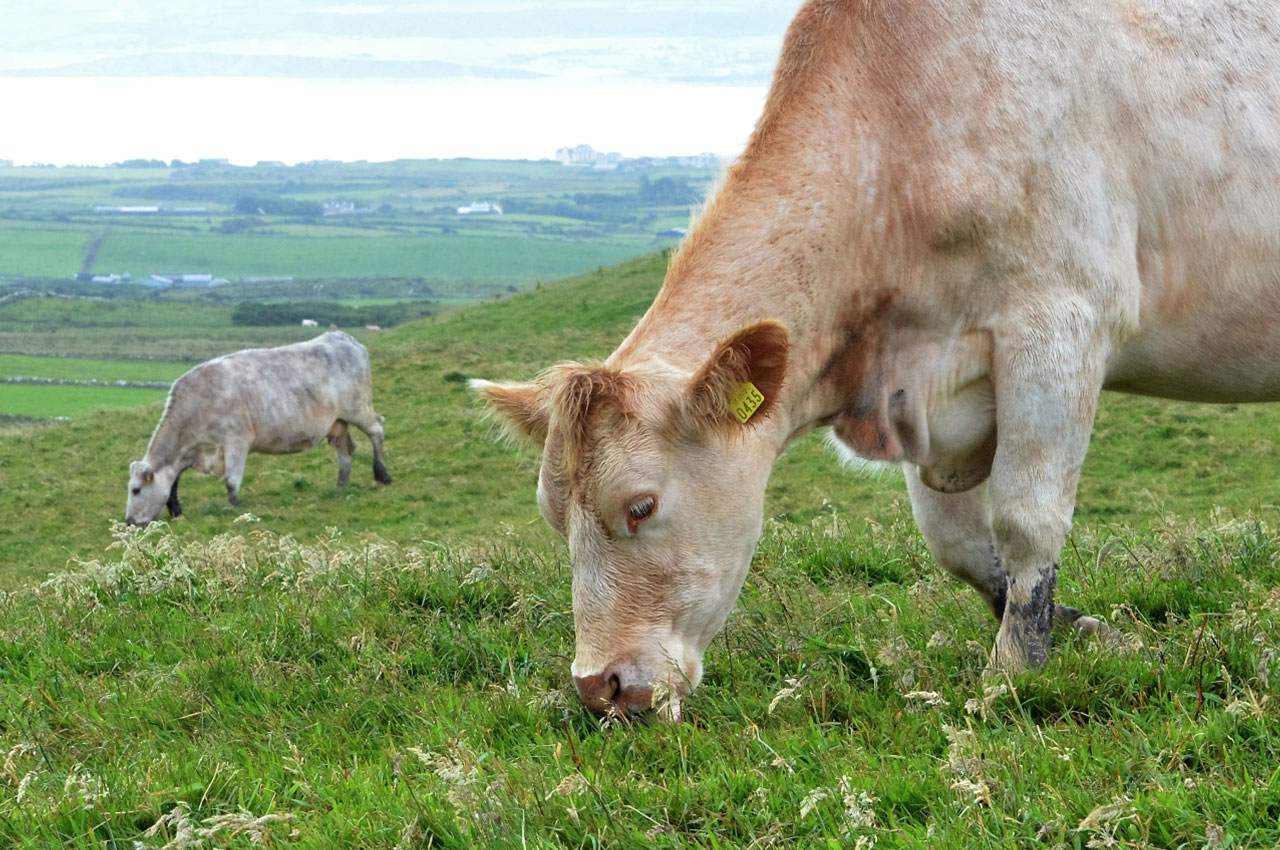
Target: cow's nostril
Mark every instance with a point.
(599, 692)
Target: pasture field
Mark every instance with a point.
(79, 369)
(45, 402)
(470, 265)
(388, 667)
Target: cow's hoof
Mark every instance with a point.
(1090, 626)
(1079, 622)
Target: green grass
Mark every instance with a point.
(69, 368)
(42, 253)
(50, 401)
(445, 262)
(388, 667)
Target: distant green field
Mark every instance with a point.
(50, 401)
(445, 262)
(29, 314)
(75, 368)
(42, 253)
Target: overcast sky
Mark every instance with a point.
(474, 67)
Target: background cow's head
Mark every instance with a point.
(148, 492)
(658, 486)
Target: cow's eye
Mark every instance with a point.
(640, 510)
(137, 490)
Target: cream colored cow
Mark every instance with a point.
(954, 225)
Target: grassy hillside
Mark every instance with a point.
(387, 667)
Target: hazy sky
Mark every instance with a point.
(87, 81)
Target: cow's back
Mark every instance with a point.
(1125, 152)
(283, 399)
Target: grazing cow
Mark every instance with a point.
(268, 400)
(953, 226)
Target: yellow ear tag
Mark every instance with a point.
(746, 400)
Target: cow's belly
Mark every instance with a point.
(287, 442)
(1231, 355)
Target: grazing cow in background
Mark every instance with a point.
(953, 226)
(268, 400)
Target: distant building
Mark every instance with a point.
(94, 277)
(702, 160)
(672, 233)
(6, 163)
(270, 163)
(581, 155)
(341, 207)
(136, 210)
(310, 323)
(184, 279)
(480, 208)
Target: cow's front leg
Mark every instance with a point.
(958, 530)
(957, 527)
(1048, 370)
(175, 508)
(236, 455)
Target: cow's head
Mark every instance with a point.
(659, 489)
(148, 492)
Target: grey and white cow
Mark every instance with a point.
(267, 400)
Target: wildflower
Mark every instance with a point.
(811, 801)
(184, 831)
(989, 695)
(929, 698)
(1104, 820)
(16, 752)
(859, 806)
(792, 689)
(574, 783)
(258, 829)
(939, 638)
(26, 783)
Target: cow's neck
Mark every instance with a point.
(812, 258)
(167, 447)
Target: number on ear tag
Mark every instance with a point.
(746, 400)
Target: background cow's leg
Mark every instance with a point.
(957, 528)
(175, 509)
(344, 446)
(236, 455)
(1048, 374)
(372, 427)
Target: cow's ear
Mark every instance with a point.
(521, 408)
(741, 384)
